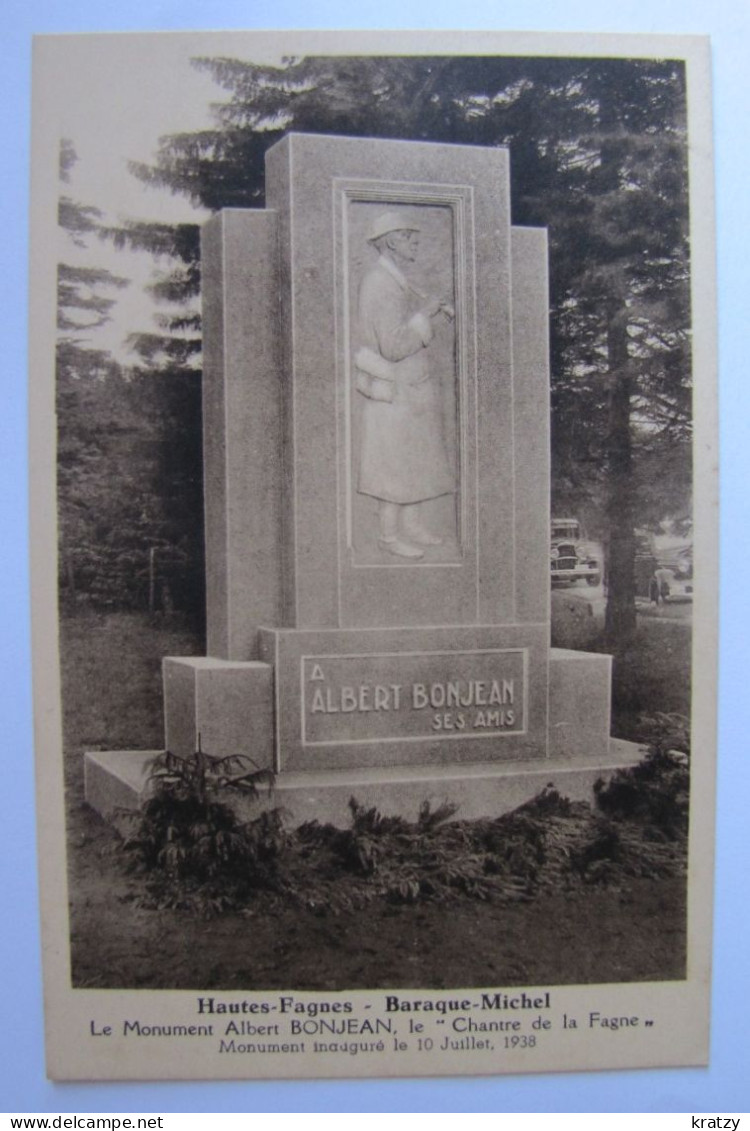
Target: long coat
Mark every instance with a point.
(402, 452)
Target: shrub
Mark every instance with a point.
(199, 856)
(656, 792)
(194, 848)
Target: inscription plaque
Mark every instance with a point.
(413, 696)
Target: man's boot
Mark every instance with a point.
(389, 536)
(412, 528)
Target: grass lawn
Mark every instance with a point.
(623, 923)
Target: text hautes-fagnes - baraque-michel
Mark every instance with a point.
(392, 1004)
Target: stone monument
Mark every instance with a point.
(376, 446)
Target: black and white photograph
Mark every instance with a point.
(373, 552)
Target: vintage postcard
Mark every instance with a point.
(373, 397)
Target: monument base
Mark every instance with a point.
(230, 706)
(119, 779)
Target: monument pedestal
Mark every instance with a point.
(375, 352)
(580, 750)
(119, 779)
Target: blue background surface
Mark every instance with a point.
(723, 1087)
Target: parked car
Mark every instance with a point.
(663, 574)
(667, 586)
(571, 555)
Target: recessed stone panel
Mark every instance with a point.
(403, 696)
(408, 696)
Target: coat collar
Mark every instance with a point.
(395, 273)
(389, 266)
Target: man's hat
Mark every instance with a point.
(391, 222)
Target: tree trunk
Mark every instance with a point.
(620, 617)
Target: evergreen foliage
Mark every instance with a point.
(129, 449)
(130, 488)
(656, 792)
(195, 854)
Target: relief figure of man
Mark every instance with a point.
(403, 460)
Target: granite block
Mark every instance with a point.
(476, 791)
(242, 392)
(579, 703)
(531, 415)
(482, 790)
(323, 189)
(229, 704)
(117, 781)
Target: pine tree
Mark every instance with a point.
(82, 304)
(177, 345)
(128, 457)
